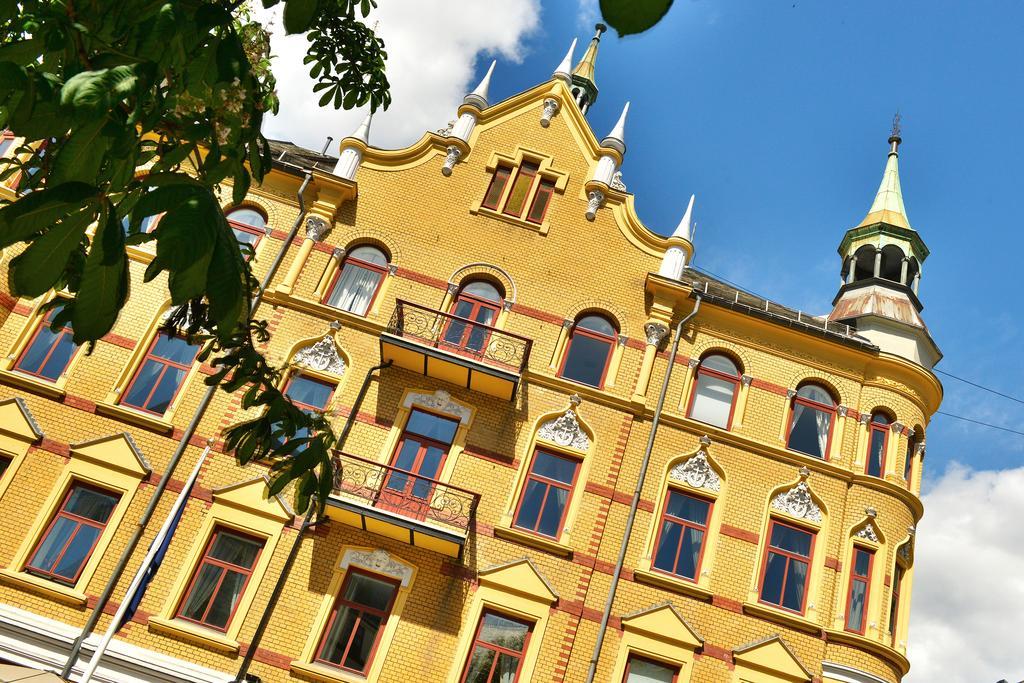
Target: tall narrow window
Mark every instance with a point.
(545, 497)
(643, 670)
(859, 590)
(879, 433)
(358, 280)
(520, 192)
(5, 462)
(810, 422)
(159, 377)
(714, 394)
(357, 620)
(249, 225)
(476, 309)
(894, 600)
(684, 526)
(417, 462)
(220, 579)
(497, 187)
(589, 350)
(541, 201)
(908, 461)
(787, 563)
(6, 142)
(49, 353)
(68, 542)
(498, 650)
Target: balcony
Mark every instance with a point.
(454, 349)
(400, 505)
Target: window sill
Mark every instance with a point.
(539, 542)
(542, 228)
(33, 384)
(328, 674)
(780, 617)
(204, 637)
(325, 312)
(135, 417)
(873, 646)
(669, 583)
(40, 586)
(137, 252)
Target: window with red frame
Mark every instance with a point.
(477, 308)
(908, 461)
(421, 452)
(309, 394)
(358, 280)
(894, 600)
(810, 421)
(497, 187)
(72, 534)
(523, 181)
(541, 201)
(859, 589)
(714, 394)
(877, 443)
(544, 501)
(6, 142)
(220, 579)
(787, 564)
(357, 621)
(49, 353)
(589, 350)
(679, 547)
(498, 649)
(159, 377)
(249, 225)
(643, 670)
(519, 194)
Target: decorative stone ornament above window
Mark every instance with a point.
(697, 473)
(798, 502)
(868, 533)
(566, 430)
(442, 402)
(379, 561)
(322, 356)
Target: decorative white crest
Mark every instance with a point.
(378, 561)
(697, 472)
(617, 183)
(798, 502)
(322, 356)
(565, 431)
(550, 109)
(442, 402)
(868, 533)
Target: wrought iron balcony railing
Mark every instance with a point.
(461, 336)
(416, 498)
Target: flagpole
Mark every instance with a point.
(140, 575)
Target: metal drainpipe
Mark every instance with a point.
(293, 553)
(592, 671)
(204, 403)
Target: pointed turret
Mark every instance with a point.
(584, 87)
(562, 71)
(478, 98)
(673, 263)
(685, 227)
(352, 148)
(472, 104)
(881, 272)
(616, 139)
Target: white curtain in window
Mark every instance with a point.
(713, 401)
(822, 420)
(642, 671)
(354, 289)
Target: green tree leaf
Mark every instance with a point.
(39, 210)
(104, 286)
(81, 155)
(298, 15)
(37, 269)
(633, 16)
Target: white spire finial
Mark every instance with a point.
(363, 131)
(564, 70)
(617, 138)
(352, 154)
(685, 227)
(478, 98)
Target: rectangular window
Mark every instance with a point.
(876, 450)
(894, 602)
(308, 394)
(421, 452)
(220, 579)
(860, 583)
(497, 187)
(643, 670)
(357, 620)
(72, 534)
(5, 462)
(541, 200)
(684, 526)
(908, 462)
(6, 142)
(498, 650)
(787, 564)
(160, 374)
(545, 497)
(48, 353)
(520, 191)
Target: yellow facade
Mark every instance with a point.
(438, 234)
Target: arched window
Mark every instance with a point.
(248, 224)
(589, 350)
(358, 280)
(810, 421)
(714, 393)
(878, 442)
(475, 310)
(915, 438)
(892, 263)
(864, 263)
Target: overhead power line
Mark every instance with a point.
(979, 422)
(979, 386)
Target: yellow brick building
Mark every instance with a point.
(502, 511)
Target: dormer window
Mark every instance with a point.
(522, 189)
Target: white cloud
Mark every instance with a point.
(432, 46)
(967, 610)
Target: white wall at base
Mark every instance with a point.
(840, 673)
(28, 639)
